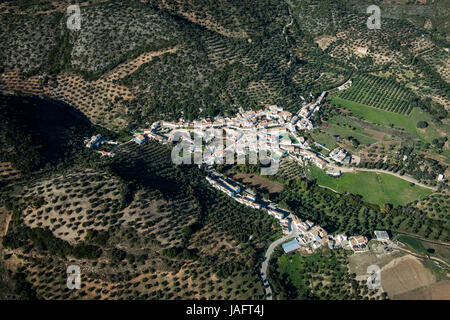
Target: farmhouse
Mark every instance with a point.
(345, 85)
(333, 172)
(319, 162)
(139, 139)
(362, 50)
(94, 142)
(357, 243)
(340, 155)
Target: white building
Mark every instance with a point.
(381, 235)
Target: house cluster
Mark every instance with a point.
(270, 116)
(315, 237)
(94, 141)
(276, 128)
(312, 237)
(248, 131)
(303, 155)
(340, 155)
(302, 118)
(141, 136)
(234, 190)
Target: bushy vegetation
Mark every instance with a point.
(36, 132)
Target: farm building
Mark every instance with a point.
(333, 172)
(290, 246)
(381, 235)
(140, 139)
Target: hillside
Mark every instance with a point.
(141, 227)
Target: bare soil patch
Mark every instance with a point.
(259, 183)
(325, 41)
(437, 291)
(405, 274)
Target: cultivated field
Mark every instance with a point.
(405, 274)
(436, 291)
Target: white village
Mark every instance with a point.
(274, 125)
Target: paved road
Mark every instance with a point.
(273, 245)
(410, 179)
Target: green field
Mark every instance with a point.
(378, 116)
(373, 187)
(345, 128)
(421, 247)
(293, 266)
(324, 138)
(414, 243)
(408, 123)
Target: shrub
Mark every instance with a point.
(422, 124)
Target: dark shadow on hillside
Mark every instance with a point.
(36, 132)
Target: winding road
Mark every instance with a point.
(265, 264)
